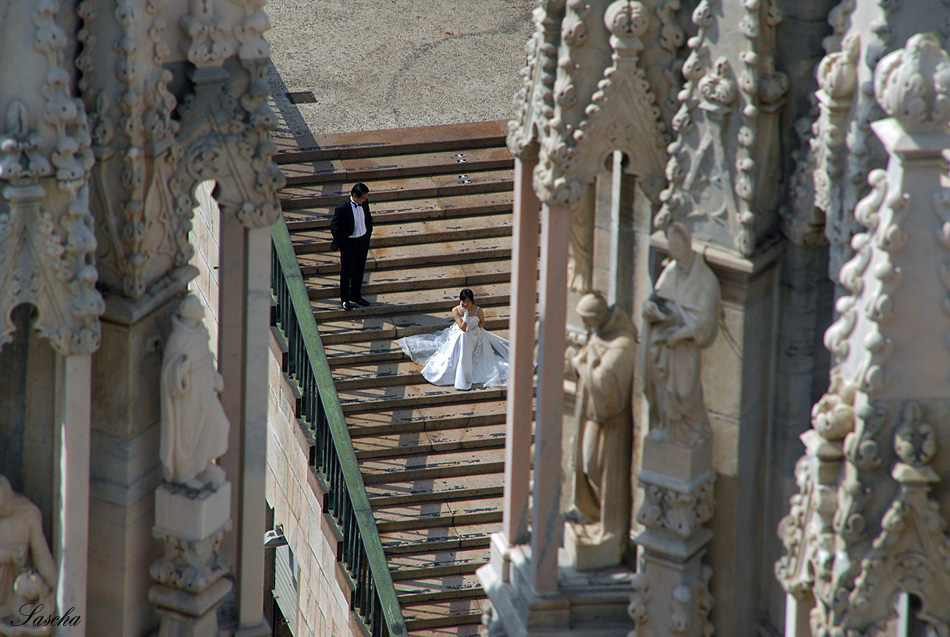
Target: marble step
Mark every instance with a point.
(389, 374)
(442, 538)
(329, 195)
(410, 396)
(356, 353)
(433, 514)
(354, 326)
(354, 169)
(426, 589)
(433, 466)
(437, 563)
(465, 438)
(444, 278)
(441, 300)
(414, 419)
(409, 210)
(441, 489)
(411, 255)
(465, 630)
(450, 230)
(449, 613)
(423, 139)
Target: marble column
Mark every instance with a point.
(244, 306)
(623, 188)
(546, 514)
(519, 422)
(73, 387)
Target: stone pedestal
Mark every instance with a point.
(592, 604)
(191, 524)
(671, 593)
(588, 550)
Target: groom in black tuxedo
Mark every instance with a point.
(351, 227)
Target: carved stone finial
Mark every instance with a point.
(913, 84)
(837, 72)
(915, 441)
(625, 19)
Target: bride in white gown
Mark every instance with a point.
(465, 354)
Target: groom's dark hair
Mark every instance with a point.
(359, 190)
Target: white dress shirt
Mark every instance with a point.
(359, 220)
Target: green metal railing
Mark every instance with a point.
(333, 458)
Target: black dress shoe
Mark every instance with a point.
(348, 306)
(362, 301)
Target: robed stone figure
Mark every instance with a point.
(602, 493)
(194, 425)
(680, 318)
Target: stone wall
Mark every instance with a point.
(205, 233)
(292, 490)
(296, 497)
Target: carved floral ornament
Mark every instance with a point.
(913, 84)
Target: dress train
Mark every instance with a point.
(475, 357)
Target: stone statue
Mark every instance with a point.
(27, 571)
(680, 318)
(601, 493)
(194, 426)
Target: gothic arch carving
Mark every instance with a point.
(588, 92)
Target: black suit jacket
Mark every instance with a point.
(341, 225)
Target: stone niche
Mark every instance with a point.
(26, 414)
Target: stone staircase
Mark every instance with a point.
(432, 458)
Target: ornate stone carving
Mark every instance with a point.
(27, 571)
(45, 224)
(194, 426)
(639, 608)
(887, 533)
(691, 606)
(250, 31)
(144, 225)
(912, 551)
(190, 564)
(726, 131)
(677, 512)
(207, 43)
(680, 318)
(227, 139)
(912, 84)
(820, 166)
(808, 531)
(672, 37)
(535, 99)
(583, 133)
(601, 489)
(574, 105)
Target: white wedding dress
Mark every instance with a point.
(475, 357)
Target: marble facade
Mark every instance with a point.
(114, 113)
(775, 193)
(801, 144)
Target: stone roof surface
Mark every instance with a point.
(376, 64)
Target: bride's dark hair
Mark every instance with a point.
(467, 294)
